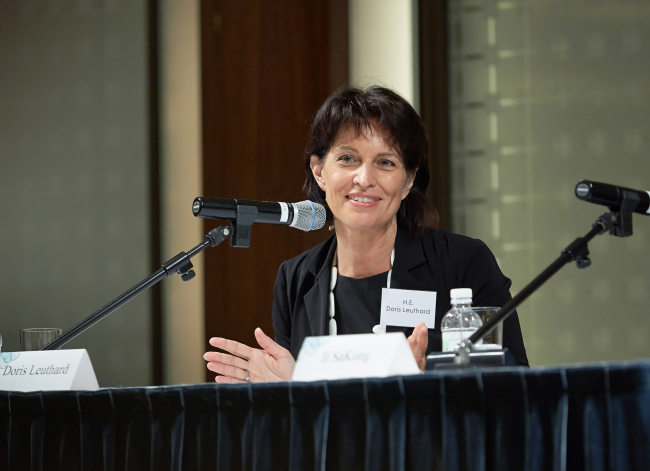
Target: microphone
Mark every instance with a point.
(637, 201)
(305, 215)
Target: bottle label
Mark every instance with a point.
(452, 337)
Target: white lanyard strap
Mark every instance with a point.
(378, 329)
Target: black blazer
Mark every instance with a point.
(436, 261)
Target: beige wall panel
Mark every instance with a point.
(183, 313)
(383, 48)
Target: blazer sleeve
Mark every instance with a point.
(478, 269)
(281, 314)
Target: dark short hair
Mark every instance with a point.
(352, 107)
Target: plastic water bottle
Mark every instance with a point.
(461, 321)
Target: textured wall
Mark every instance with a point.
(73, 176)
(543, 94)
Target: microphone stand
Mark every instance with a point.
(619, 224)
(180, 264)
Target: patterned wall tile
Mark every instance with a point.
(543, 94)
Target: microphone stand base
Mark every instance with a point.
(478, 359)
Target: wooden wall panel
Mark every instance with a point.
(266, 68)
(434, 101)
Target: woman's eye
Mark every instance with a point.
(346, 158)
(386, 163)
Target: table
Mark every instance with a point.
(592, 417)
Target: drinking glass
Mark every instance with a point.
(34, 339)
(496, 336)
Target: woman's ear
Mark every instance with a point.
(409, 184)
(316, 164)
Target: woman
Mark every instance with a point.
(366, 161)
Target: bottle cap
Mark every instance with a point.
(461, 293)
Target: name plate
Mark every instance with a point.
(51, 370)
(354, 356)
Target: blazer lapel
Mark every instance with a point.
(317, 298)
(408, 255)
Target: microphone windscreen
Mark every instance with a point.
(308, 216)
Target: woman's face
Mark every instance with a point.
(363, 177)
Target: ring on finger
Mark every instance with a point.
(248, 376)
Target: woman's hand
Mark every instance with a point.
(418, 342)
(273, 363)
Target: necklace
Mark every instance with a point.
(379, 328)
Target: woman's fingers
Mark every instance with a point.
(273, 363)
(415, 347)
(422, 336)
(226, 380)
(229, 371)
(236, 348)
(418, 342)
(267, 343)
(231, 360)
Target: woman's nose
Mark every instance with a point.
(365, 176)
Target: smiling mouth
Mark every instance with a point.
(362, 199)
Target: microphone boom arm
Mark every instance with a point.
(180, 264)
(618, 223)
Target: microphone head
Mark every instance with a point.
(308, 216)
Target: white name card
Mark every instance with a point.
(354, 356)
(407, 308)
(52, 370)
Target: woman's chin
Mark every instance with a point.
(361, 224)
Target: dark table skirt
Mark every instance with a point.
(594, 417)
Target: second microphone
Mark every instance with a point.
(305, 215)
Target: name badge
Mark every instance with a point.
(354, 356)
(407, 308)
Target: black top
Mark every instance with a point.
(358, 303)
(433, 261)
